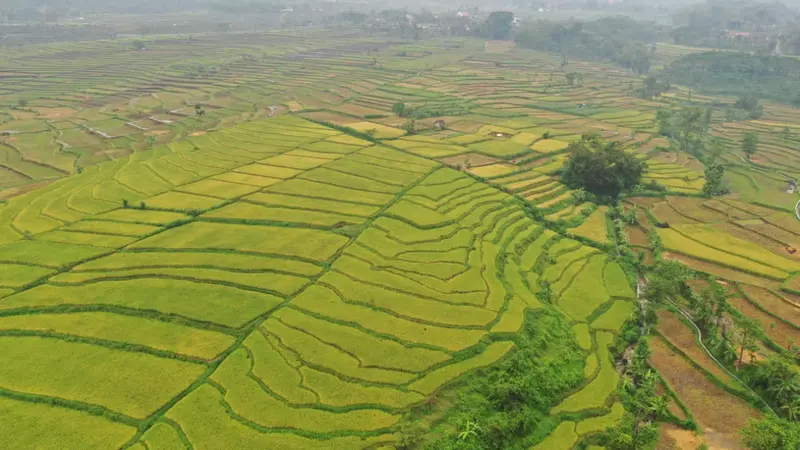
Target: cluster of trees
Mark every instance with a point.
(617, 39)
(751, 104)
(40, 33)
(731, 73)
(716, 22)
(600, 167)
(506, 405)
(688, 127)
(652, 87)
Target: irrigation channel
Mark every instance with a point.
(699, 336)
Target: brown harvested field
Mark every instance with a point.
(782, 333)
(768, 243)
(754, 210)
(719, 414)
(777, 233)
(673, 407)
(637, 236)
(693, 208)
(774, 303)
(646, 202)
(664, 212)
(683, 337)
(475, 160)
(785, 221)
(723, 272)
(649, 256)
(466, 126)
(731, 212)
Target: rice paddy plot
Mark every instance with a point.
(159, 297)
(39, 425)
(300, 243)
(168, 337)
(256, 213)
(595, 393)
(90, 374)
(235, 262)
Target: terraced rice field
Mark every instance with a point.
(285, 293)
(305, 281)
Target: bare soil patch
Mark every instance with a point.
(675, 438)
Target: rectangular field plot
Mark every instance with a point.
(38, 425)
(381, 131)
(677, 242)
(258, 213)
(274, 283)
(18, 275)
(198, 301)
(82, 238)
(246, 179)
(180, 201)
(218, 189)
(115, 228)
(169, 337)
(315, 204)
(315, 189)
(93, 374)
(48, 254)
(294, 161)
(345, 180)
(294, 242)
(236, 262)
(144, 216)
(263, 170)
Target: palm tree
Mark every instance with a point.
(792, 410)
(579, 195)
(785, 388)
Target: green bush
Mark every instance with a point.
(506, 405)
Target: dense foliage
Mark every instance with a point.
(617, 39)
(715, 23)
(731, 73)
(602, 168)
(770, 433)
(506, 407)
(498, 25)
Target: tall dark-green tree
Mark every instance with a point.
(602, 168)
(714, 186)
(498, 25)
(750, 144)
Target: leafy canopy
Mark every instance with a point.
(602, 168)
(498, 25)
